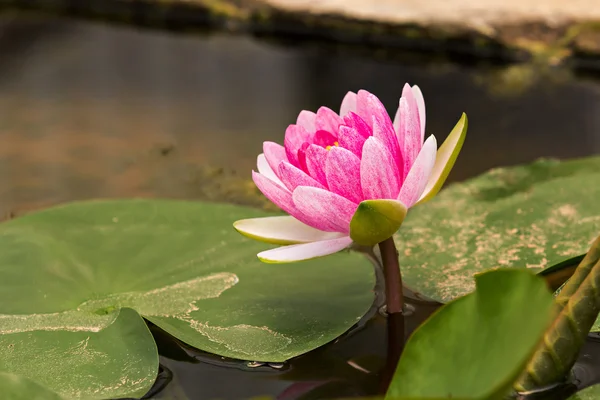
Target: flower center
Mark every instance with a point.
(336, 144)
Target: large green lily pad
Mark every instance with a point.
(73, 275)
(530, 216)
(77, 362)
(14, 387)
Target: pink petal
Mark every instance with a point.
(374, 113)
(348, 104)
(327, 120)
(293, 177)
(306, 119)
(306, 251)
(421, 105)
(410, 128)
(275, 154)
(324, 210)
(280, 196)
(324, 138)
(315, 163)
(417, 178)
(354, 121)
(378, 176)
(384, 132)
(350, 139)
(369, 106)
(295, 136)
(396, 124)
(302, 156)
(343, 174)
(265, 169)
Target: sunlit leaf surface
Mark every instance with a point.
(476, 346)
(14, 387)
(76, 280)
(532, 217)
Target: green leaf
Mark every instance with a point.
(579, 301)
(558, 274)
(476, 346)
(14, 387)
(67, 271)
(530, 217)
(376, 220)
(118, 361)
(589, 393)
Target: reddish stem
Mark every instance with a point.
(395, 339)
(394, 298)
(393, 279)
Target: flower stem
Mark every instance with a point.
(395, 339)
(393, 278)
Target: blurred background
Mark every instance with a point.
(93, 108)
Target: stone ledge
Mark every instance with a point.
(551, 31)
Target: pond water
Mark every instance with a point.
(89, 110)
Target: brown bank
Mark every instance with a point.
(549, 31)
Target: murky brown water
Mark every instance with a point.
(88, 110)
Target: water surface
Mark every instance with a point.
(89, 110)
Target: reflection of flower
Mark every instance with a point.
(349, 177)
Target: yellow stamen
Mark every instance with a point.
(336, 144)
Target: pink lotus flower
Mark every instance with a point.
(349, 177)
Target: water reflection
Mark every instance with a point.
(96, 111)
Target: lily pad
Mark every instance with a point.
(14, 387)
(73, 275)
(589, 393)
(532, 217)
(77, 362)
(476, 346)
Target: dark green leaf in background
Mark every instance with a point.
(531, 216)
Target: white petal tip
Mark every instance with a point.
(282, 230)
(305, 251)
(431, 138)
(265, 260)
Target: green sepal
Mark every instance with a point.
(445, 159)
(376, 220)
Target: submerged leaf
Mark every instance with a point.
(73, 276)
(476, 346)
(532, 216)
(579, 301)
